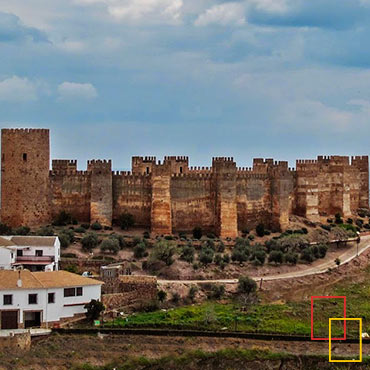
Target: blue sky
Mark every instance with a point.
(254, 78)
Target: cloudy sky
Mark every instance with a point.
(256, 78)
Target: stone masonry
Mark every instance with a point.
(170, 196)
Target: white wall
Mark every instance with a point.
(6, 259)
(52, 311)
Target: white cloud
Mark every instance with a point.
(223, 14)
(272, 6)
(18, 89)
(73, 90)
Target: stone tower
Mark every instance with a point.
(25, 190)
(101, 205)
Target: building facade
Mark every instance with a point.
(43, 299)
(35, 253)
(171, 196)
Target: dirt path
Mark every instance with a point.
(345, 257)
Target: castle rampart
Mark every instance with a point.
(172, 196)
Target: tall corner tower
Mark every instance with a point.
(25, 187)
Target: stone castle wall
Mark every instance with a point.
(171, 196)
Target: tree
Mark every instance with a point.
(197, 232)
(276, 256)
(260, 230)
(5, 229)
(126, 220)
(291, 258)
(217, 291)
(246, 285)
(307, 255)
(94, 309)
(96, 226)
(187, 253)
(206, 255)
(45, 231)
(64, 240)
(163, 251)
(258, 255)
(140, 250)
(110, 245)
(162, 295)
(22, 230)
(89, 241)
(63, 218)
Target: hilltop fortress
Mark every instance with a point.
(170, 196)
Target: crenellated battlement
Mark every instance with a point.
(64, 165)
(189, 175)
(69, 173)
(251, 175)
(222, 159)
(176, 158)
(25, 130)
(146, 159)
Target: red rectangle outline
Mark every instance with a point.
(344, 315)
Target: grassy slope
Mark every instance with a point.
(290, 318)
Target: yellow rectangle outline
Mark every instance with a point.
(360, 330)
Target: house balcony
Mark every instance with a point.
(34, 260)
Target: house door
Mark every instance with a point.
(32, 319)
(9, 319)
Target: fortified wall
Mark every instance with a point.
(170, 196)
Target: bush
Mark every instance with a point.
(68, 255)
(258, 255)
(175, 297)
(94, 309)
(291, 258)
(63, 218)
(359, 223)
(5, 229)
(125, 221)
(72, 268)
(217, 291)
(89, 241)
(146, 234)
(323, 248)
(338, 218)
(226, 258)
(337, 261)
(349, 221)
(197, 232)
(187, 253)
(192, 292)
(250, 237)
(163, 251)
(110, 245)
(140, 250)
(162, 295)
(211, 236)
(168, 237)
(245, 231)
(121, 240)
(240, 253)
(307, 255)
(304, 230)
(246, 285)
(276, 256)
(80, 230)
(267, 232)
(220, 247)
(326, 227)
(85, 226)
(96, 226)
(206, 255)
(64, 240)
(69, 233)
(218, 259)
(260, 230)
(45, 231)
(22, 230)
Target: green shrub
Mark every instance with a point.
(85, 226)
(245, 231)
(349, 221)
(276, 257)
(197, 232)
(140, 250)
(220, 247)
(72, 268)
(110, 245)
(187, 253)
(175, 297)
(45, 231)
(168, 237)
(163, 251)
(146, 234)
(206, 255)
(121, 240)
(307, 255)
(304, 230)
(63, 218)
(326, 227)
(96, 226)
(5, 229)
(250, 237)
(258, 255)
(126, 220)
(68, 255)
(136, 240)
(89, 241)
(22, 230)
(192, 292)
(338, 218)
(217, 291)
(64, 240)
(218, 259)
(323, 248)
(80, 230)
(291, 258)
(246, 285)
(211, 236)
(226, 258)
(260, 230)
(162, 295)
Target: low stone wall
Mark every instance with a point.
(17, 341)
(128, 290)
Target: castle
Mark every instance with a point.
(170, 196)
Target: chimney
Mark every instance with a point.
(19, 281)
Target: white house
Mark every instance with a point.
(35, 253)
(43, 299)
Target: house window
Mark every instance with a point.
(8, 299)
(69, 292)
(72, 292)
(51, 297)
(19, 252)
(32, 298)
(25, 157)
(38, 253)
